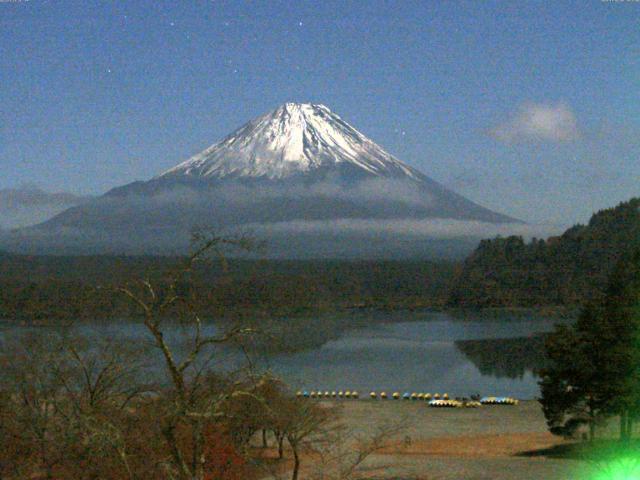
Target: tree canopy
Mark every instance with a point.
(594, 369)
(560, 271)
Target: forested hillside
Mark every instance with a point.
(46, 288)
(563, 271)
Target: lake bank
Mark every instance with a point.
(452, 444)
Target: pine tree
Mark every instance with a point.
(622, 318)
(574, 391)
(594, 369)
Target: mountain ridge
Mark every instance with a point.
(294, 138)
(299, 162)
(270, 154)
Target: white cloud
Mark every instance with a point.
(428, 228)
(539, 121)
(366, 191)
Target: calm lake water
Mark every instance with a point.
(406, 351)
(424, 354)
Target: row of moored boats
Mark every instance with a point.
(435, 400)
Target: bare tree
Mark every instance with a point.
(76, 407)
(65, 398)
(301, 421)
(342, 452)
(101, 379)
(188, 403)
(314, 429)
(101, 373)
(31, 367)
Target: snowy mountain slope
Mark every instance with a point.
(298, 163)
(293, 139)
(302, 161)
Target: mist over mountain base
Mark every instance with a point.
(323, 238)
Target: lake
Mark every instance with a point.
(425, 354)
(398, 351)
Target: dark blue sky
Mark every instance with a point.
(530, 108)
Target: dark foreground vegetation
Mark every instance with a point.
(593, 370)
(71, 409)
(561, 271)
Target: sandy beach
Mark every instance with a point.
(486, 443)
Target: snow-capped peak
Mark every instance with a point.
(296, 138)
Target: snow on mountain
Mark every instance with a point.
(294, 139)
(305, 178)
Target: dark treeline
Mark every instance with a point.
(44, 288)
(561, 271)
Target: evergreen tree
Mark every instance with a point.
(594, 367)
(622, 319)
(574, 392)
(559, 271)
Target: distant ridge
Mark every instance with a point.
(562, 271)
(29, 205)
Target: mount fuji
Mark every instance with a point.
(288, 175)
(293, 140)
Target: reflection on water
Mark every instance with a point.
(404, 351)
(431, 353)
(505, 357)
